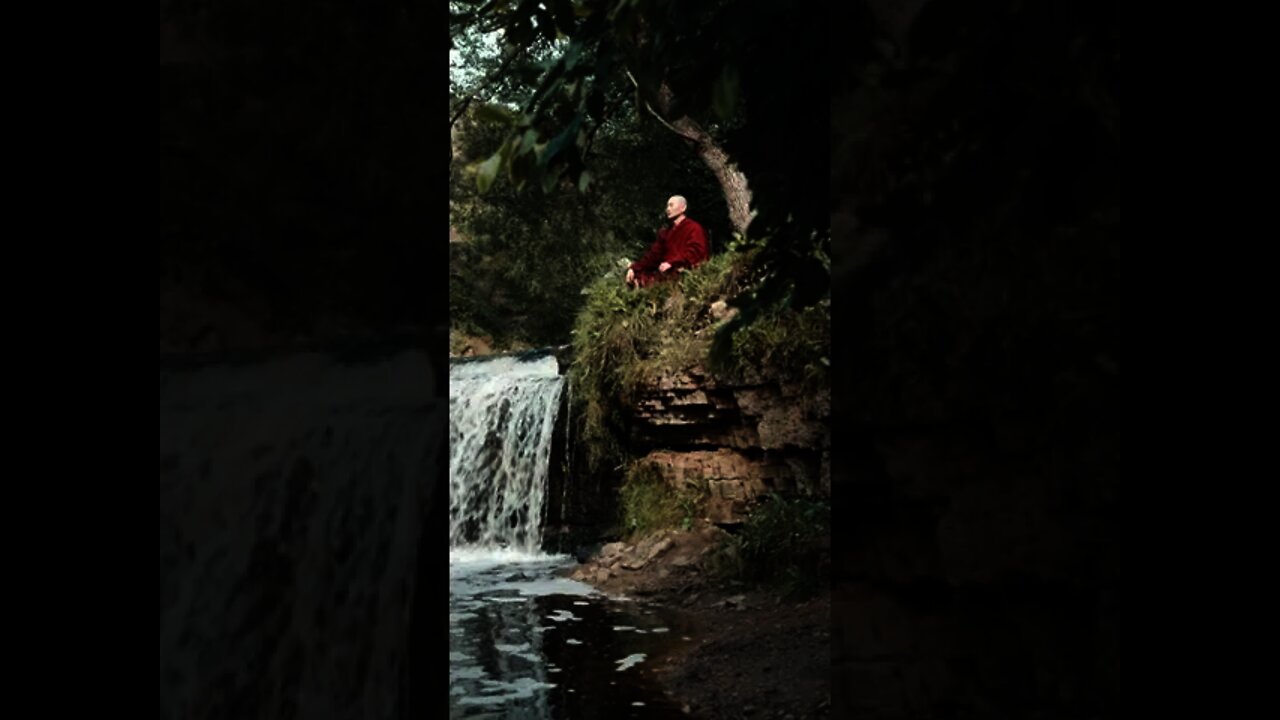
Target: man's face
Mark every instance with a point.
(674, 208)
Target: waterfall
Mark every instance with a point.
(502, 414)
(568, 455)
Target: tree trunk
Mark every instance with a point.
(732, 182)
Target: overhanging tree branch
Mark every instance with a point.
(661, 119)
(733, 183)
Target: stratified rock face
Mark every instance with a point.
(743, 440)
(292, 499)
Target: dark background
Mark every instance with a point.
(303, 209)
(975, 218)
(299, 201)
(974, 198)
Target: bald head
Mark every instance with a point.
(676, 207)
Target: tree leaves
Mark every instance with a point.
(546, 25)
(559, 142)
(524, 257)
(488, 171)
(727, 62)
(489, 112)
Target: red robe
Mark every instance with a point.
(683, 245)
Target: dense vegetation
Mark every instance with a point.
(523, 258)
(785, 544)
(575, 122)
(579, 119)
(626, 338)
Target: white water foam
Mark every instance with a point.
(502, 415)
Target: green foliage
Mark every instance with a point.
(518, 272)
(788, 345)
(610, 71)
(625, 337)
(602, 58)
(727, 65)
(649, 503)
(794, 274)
(784, 544)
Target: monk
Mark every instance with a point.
(679, 247)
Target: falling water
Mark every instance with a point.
(502, 414)
(568, 456)
(524, 640)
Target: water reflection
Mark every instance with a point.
(525, 644)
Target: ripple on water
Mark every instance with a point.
(503, 659)
(630, 661)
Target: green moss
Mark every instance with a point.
(786, 345)
(649, 503)
(624, 338)
(784, 544)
